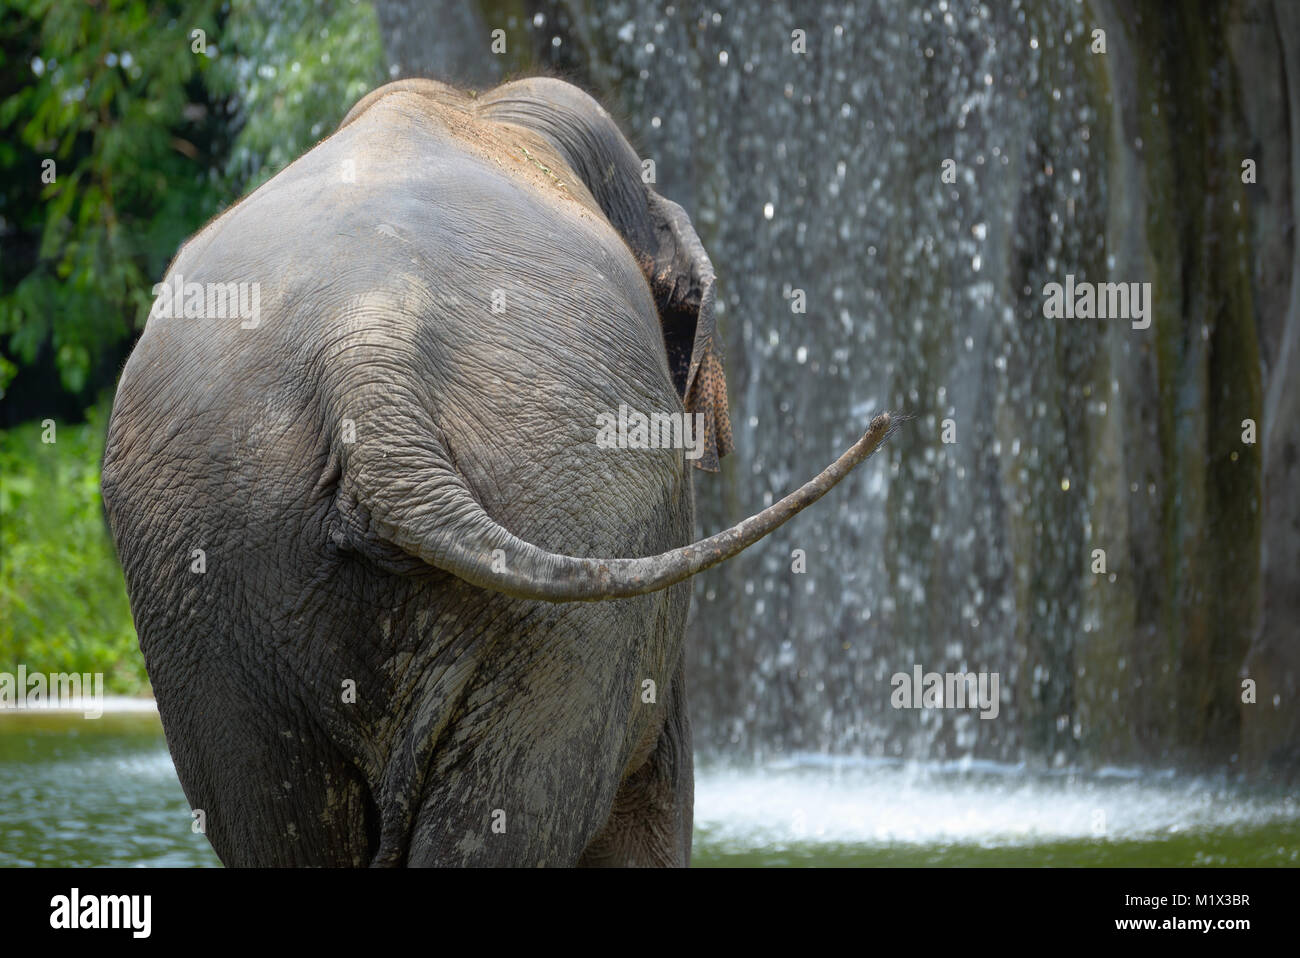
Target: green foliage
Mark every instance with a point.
(151, 130)
(63, 604)
(108, 114)
(296, 68)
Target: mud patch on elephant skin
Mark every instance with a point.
(514, 150)
(543, 167)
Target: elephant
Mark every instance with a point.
(397, 603)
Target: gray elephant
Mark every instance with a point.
(399, 604)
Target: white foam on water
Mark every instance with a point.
(816, 800)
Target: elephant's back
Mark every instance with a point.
(396, 212)
(524, 310)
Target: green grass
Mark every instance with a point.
(63, 605)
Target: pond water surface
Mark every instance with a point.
(87, 793)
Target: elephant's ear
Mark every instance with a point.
(681, 278)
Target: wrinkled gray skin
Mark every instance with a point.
(499, 714)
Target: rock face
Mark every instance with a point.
(810, 143)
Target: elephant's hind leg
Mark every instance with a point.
(272, 794)
(650, 823)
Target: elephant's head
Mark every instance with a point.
(657, 231)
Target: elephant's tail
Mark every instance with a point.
(460, 538)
